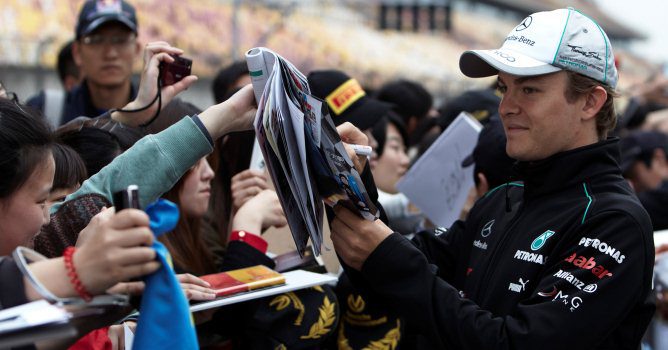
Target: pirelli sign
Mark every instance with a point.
(344, 96)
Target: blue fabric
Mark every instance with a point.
(164, 321)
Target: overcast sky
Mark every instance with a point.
(647, 16)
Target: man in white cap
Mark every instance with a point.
(560, 258)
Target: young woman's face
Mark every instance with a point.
(393, 163)
(196, 190)
(23, 214)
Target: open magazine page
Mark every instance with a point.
(354, 195)
(302, 150)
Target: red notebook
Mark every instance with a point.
(243, 280)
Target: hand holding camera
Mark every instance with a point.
(175, 71)
(161, 60)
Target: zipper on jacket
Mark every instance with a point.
(499, 247)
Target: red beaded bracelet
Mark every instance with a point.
(74, 277)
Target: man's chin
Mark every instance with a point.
(110, 83)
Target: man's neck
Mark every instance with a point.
(104, 97)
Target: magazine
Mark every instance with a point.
(243, 280)
(294, 280)
(302, 151)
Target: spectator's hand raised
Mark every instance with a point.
(154, 53)
(235, 114)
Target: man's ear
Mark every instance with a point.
(595, 100)
(76, 52)
(483, 185)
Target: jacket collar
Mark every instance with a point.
(87, 101)
(568, 168)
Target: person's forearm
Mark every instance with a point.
(53, 276)
(246, 220)
(214, 119)
(165, 156)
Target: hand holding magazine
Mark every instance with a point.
(302, 150)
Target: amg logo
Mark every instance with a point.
(570, 278)
(530, 257)
(479, 244)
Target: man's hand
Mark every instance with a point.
(355, 238)
(154, 53)
(350, 134)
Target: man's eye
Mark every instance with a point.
(501, 88)
(528, 90)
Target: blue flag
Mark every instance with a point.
(165, 320)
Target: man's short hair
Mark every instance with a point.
(606, 118)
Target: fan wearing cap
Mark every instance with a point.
(348, 102)
(105, 49)
(560, 257)
(645, 165)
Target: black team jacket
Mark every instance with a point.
(562, 260)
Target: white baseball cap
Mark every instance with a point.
(547, 42)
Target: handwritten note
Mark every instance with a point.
(437, 183)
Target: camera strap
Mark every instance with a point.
(158, 98)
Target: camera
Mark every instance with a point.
(127, 198)
(172, 72)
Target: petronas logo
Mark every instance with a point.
(539, 242)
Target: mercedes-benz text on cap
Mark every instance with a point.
(547, 42)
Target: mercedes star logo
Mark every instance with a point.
(487, 229)
(524, 25)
